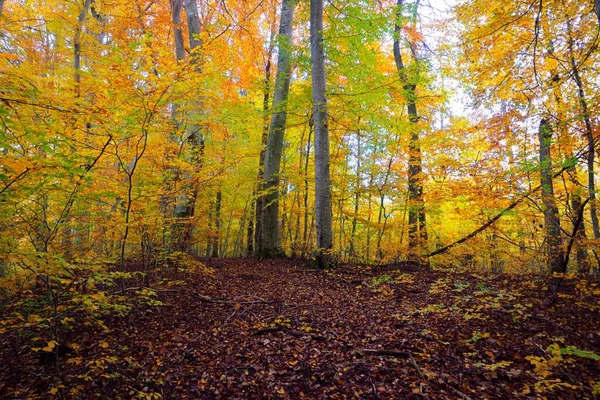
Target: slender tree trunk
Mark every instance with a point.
(259, 195)
(581, 254)
(77, 44)
(417, 227)
(589, 133)
(551, 218)
(225, 247)
(216, 235)
(271, 235)
(357, 184)
(320, 116)
(583, 265)
(306, 227)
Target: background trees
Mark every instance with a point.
(129, 126)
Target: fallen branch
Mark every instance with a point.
(390, 353)
(414, 363)
(289, 331)
(219, 300)
(491, 221)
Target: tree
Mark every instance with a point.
(186, 204)
(320, 118)
(551, 217)
(417, 228)
(271, 236)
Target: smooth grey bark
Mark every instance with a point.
(186, 203)
(1, 7)
(597, 9)
(254, 246)
(77, 42)
(551, 218)
(255, 232)
(176, 7)
(194, 27)
(306, 230)
(323, 211)
(417, 227)
(271, 235)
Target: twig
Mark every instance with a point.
(390, 353)
(414, 363)
(220, 300)
(289, 331)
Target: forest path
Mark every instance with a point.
(281, 330)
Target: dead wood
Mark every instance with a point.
(389, 353)
(289, 331)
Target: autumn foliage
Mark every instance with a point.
(463, 138)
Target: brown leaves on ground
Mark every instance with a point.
(274, 329)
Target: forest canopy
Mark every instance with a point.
(146, 124)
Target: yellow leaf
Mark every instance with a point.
(54, 390)
(34, 319)
(104, 345)
(50, 346)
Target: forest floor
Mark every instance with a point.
(276, 329)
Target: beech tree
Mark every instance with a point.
(320, 119)
(417, 228)
(553, 237)
(271, 235)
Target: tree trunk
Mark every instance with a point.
(77, 44)
(320, 118)
(186, 204)
(551, 217)
(417, 227)
(176, 6)
(305, 234)
(271, 235)
(583, 264)
(589, 133)
(357, 183)
(216, 236)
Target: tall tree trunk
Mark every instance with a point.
(306, 227)
(176, 7)
(255, 235)
(589, 133)
(583, 265)
(417, 227)
(217, 233)
(186, 204)
(255, 228)
(320, 118)
(357, 183)
(271, 235)
(551, 218)
(77, 44)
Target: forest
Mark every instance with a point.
(271, 199)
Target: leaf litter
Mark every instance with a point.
(276, 329)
